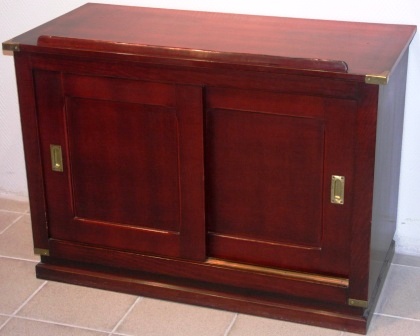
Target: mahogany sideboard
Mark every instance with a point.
(239, 162)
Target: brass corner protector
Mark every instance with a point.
(11, 46)
(41, 252)
(358, 303)
(378, 79)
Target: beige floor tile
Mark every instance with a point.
(6, 219)
(3, 319)
(17, 283)
(246, 325)
(388, 326)
(159, 318)
(401, 259)
(401, 293)
(16, 241)
(79, 306)
(18, 326)
(13, 205)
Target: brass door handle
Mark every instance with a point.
(56, 158)
(337, 189)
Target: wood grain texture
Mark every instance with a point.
(133, 163)
(387, 170)
(198, 150)
(32, 148)
(236, 39)
(269, 160)
(208, 295)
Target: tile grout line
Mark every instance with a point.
(398, 317)
(125, 315)
(20, 259)
(114, 332)
(230, 326)
(59, 324)
(22, 305)
(15, 212)
(9, 317)
(14, 222)
(29, 298)
(14, 314)
(120, 334)
(409, 266)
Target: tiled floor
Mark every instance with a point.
(29, 306)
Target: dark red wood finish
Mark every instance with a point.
(33, 160)
(130, 172)
(270, 158)
(198, 150)
(271, 42)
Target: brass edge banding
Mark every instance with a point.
(333, 281)
(11, 46)
(42, 252)
(358, 303)
(378, 79)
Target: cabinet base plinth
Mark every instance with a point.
(203, 294)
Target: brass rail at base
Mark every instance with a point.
(323, 279)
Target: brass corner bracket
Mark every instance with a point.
(41, 252)
(11, 46)
(378, 79)
(358, 303)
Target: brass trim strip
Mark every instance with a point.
(11, 46)
(42, 252)
(378, 79)
(323, 279)
(358, 303)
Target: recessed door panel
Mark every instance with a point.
(265, 177)
(124, 163)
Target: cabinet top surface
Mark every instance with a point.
(331, 46)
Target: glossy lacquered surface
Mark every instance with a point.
(205, 176)
(50, 308)
(357, 49)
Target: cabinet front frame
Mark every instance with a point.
(366, 96)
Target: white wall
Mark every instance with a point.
(18, 16)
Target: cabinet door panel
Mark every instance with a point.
(268, 178)
(124, 163)
(126, 155)
(269, 174)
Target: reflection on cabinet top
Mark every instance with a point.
(355, 51)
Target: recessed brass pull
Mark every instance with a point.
(337, 189)
(56, 158)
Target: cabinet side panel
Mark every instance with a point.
(361, 216)
(387, 168)
(30, 132)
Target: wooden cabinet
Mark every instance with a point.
(239, 162)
